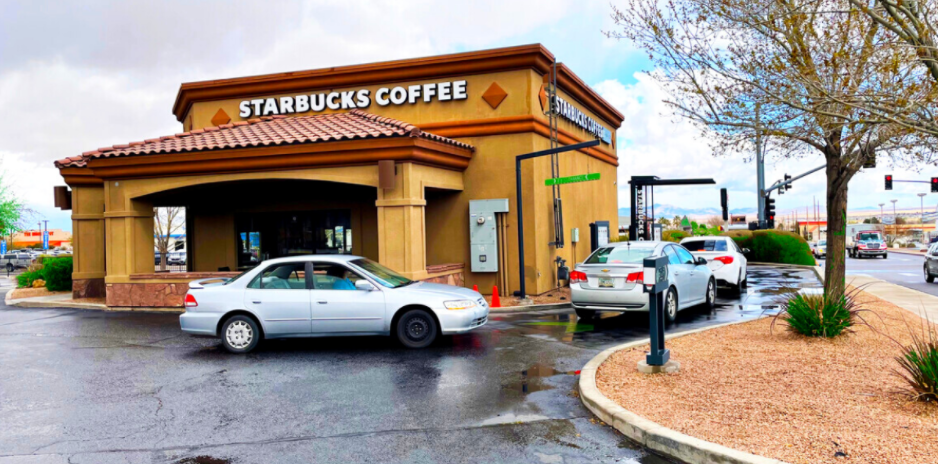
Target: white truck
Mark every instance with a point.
(862, 240)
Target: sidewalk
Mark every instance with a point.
(907, 251)
(52, 301)
(911, 300)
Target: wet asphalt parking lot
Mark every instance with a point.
(100, 387)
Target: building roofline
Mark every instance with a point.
(533, 56)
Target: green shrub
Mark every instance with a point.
(817, 315)
(57, 272)
(674, 235)
(26, 278)
(42, 258)
(774, 246)
(918, 363)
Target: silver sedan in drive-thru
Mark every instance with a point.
(610, 279)
(320, 295)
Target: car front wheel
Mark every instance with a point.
(929, 277)
(416, 329)
(9, 267)
(240, 334)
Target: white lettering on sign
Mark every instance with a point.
(574, 115)
(350, 99)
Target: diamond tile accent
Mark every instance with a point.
(543, 98)
(220, 118)
(494, 95)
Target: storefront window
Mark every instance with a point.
(273, 235)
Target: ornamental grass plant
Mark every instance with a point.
(819, 315)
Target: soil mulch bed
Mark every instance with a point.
(558, 295)
(33, 292)
(784, 396)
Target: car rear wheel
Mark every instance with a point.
(929, 277)
(9, 267)
(585, 314)
(711, 295)
(671, 305)
(741, 286)
(240, 334)
(416, 329)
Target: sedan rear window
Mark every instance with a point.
(705, 245)
(620, 255)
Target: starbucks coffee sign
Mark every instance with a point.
(352, 99)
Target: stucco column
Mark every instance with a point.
(88, 246)
(401, 235)
(128, 237)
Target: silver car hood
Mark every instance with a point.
(441, 290)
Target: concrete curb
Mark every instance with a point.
(520, 309)
(650, 434)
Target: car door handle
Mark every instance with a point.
(321, 302)
(256, 302)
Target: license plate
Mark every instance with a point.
(605, 282)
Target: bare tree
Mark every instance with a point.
(912, 21)
(167, 221)
(714, 221)
(800, 74)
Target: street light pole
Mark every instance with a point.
(881, 212)
(922, 211)
(895, 230)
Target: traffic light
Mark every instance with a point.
(932, 182)
(786, 178)
(770, 212)
(724, 203)
(888, 182)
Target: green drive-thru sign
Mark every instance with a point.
(571, 179)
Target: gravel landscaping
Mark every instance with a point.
(785, 396)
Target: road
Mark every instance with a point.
(101, 387)
(898, 268)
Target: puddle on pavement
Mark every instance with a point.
(203, 460)
(530, 380)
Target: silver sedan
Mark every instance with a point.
(316, 296)
(610, 279)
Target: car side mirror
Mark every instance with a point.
(364, 285)
(701, 261)
(745, 251)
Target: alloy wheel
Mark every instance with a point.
(671, 305)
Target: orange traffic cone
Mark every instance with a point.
(475, 288)
(495, 298)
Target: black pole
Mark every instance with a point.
(521, 227)
(518, 199)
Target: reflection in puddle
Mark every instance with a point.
(203, 460)
(531, 382)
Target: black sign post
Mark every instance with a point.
(655, 283)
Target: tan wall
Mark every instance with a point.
(88, 232)
(409, 232)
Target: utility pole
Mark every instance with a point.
(760, 182)
(922, 211)
(881, 212)
(894, 219)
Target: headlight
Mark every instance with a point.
(459, 304)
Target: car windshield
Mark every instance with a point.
(705, 245)
(821, 243)
(870, 236)
(620, 255)
(382, 274)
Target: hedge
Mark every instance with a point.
(773, 246)
(674, 235)
(57, 272)
(26, 278)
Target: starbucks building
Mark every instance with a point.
(383, 160)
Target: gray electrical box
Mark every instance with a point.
(484, 238)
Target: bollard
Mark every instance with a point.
(655, 283)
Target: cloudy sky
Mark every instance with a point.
(81, 75)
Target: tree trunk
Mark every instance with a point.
(837, 195)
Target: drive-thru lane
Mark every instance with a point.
(88, 386)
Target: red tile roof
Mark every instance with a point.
(267, 131)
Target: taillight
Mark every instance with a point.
(191, 301)
(577, 277)
(725, 259)
(634, 277)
